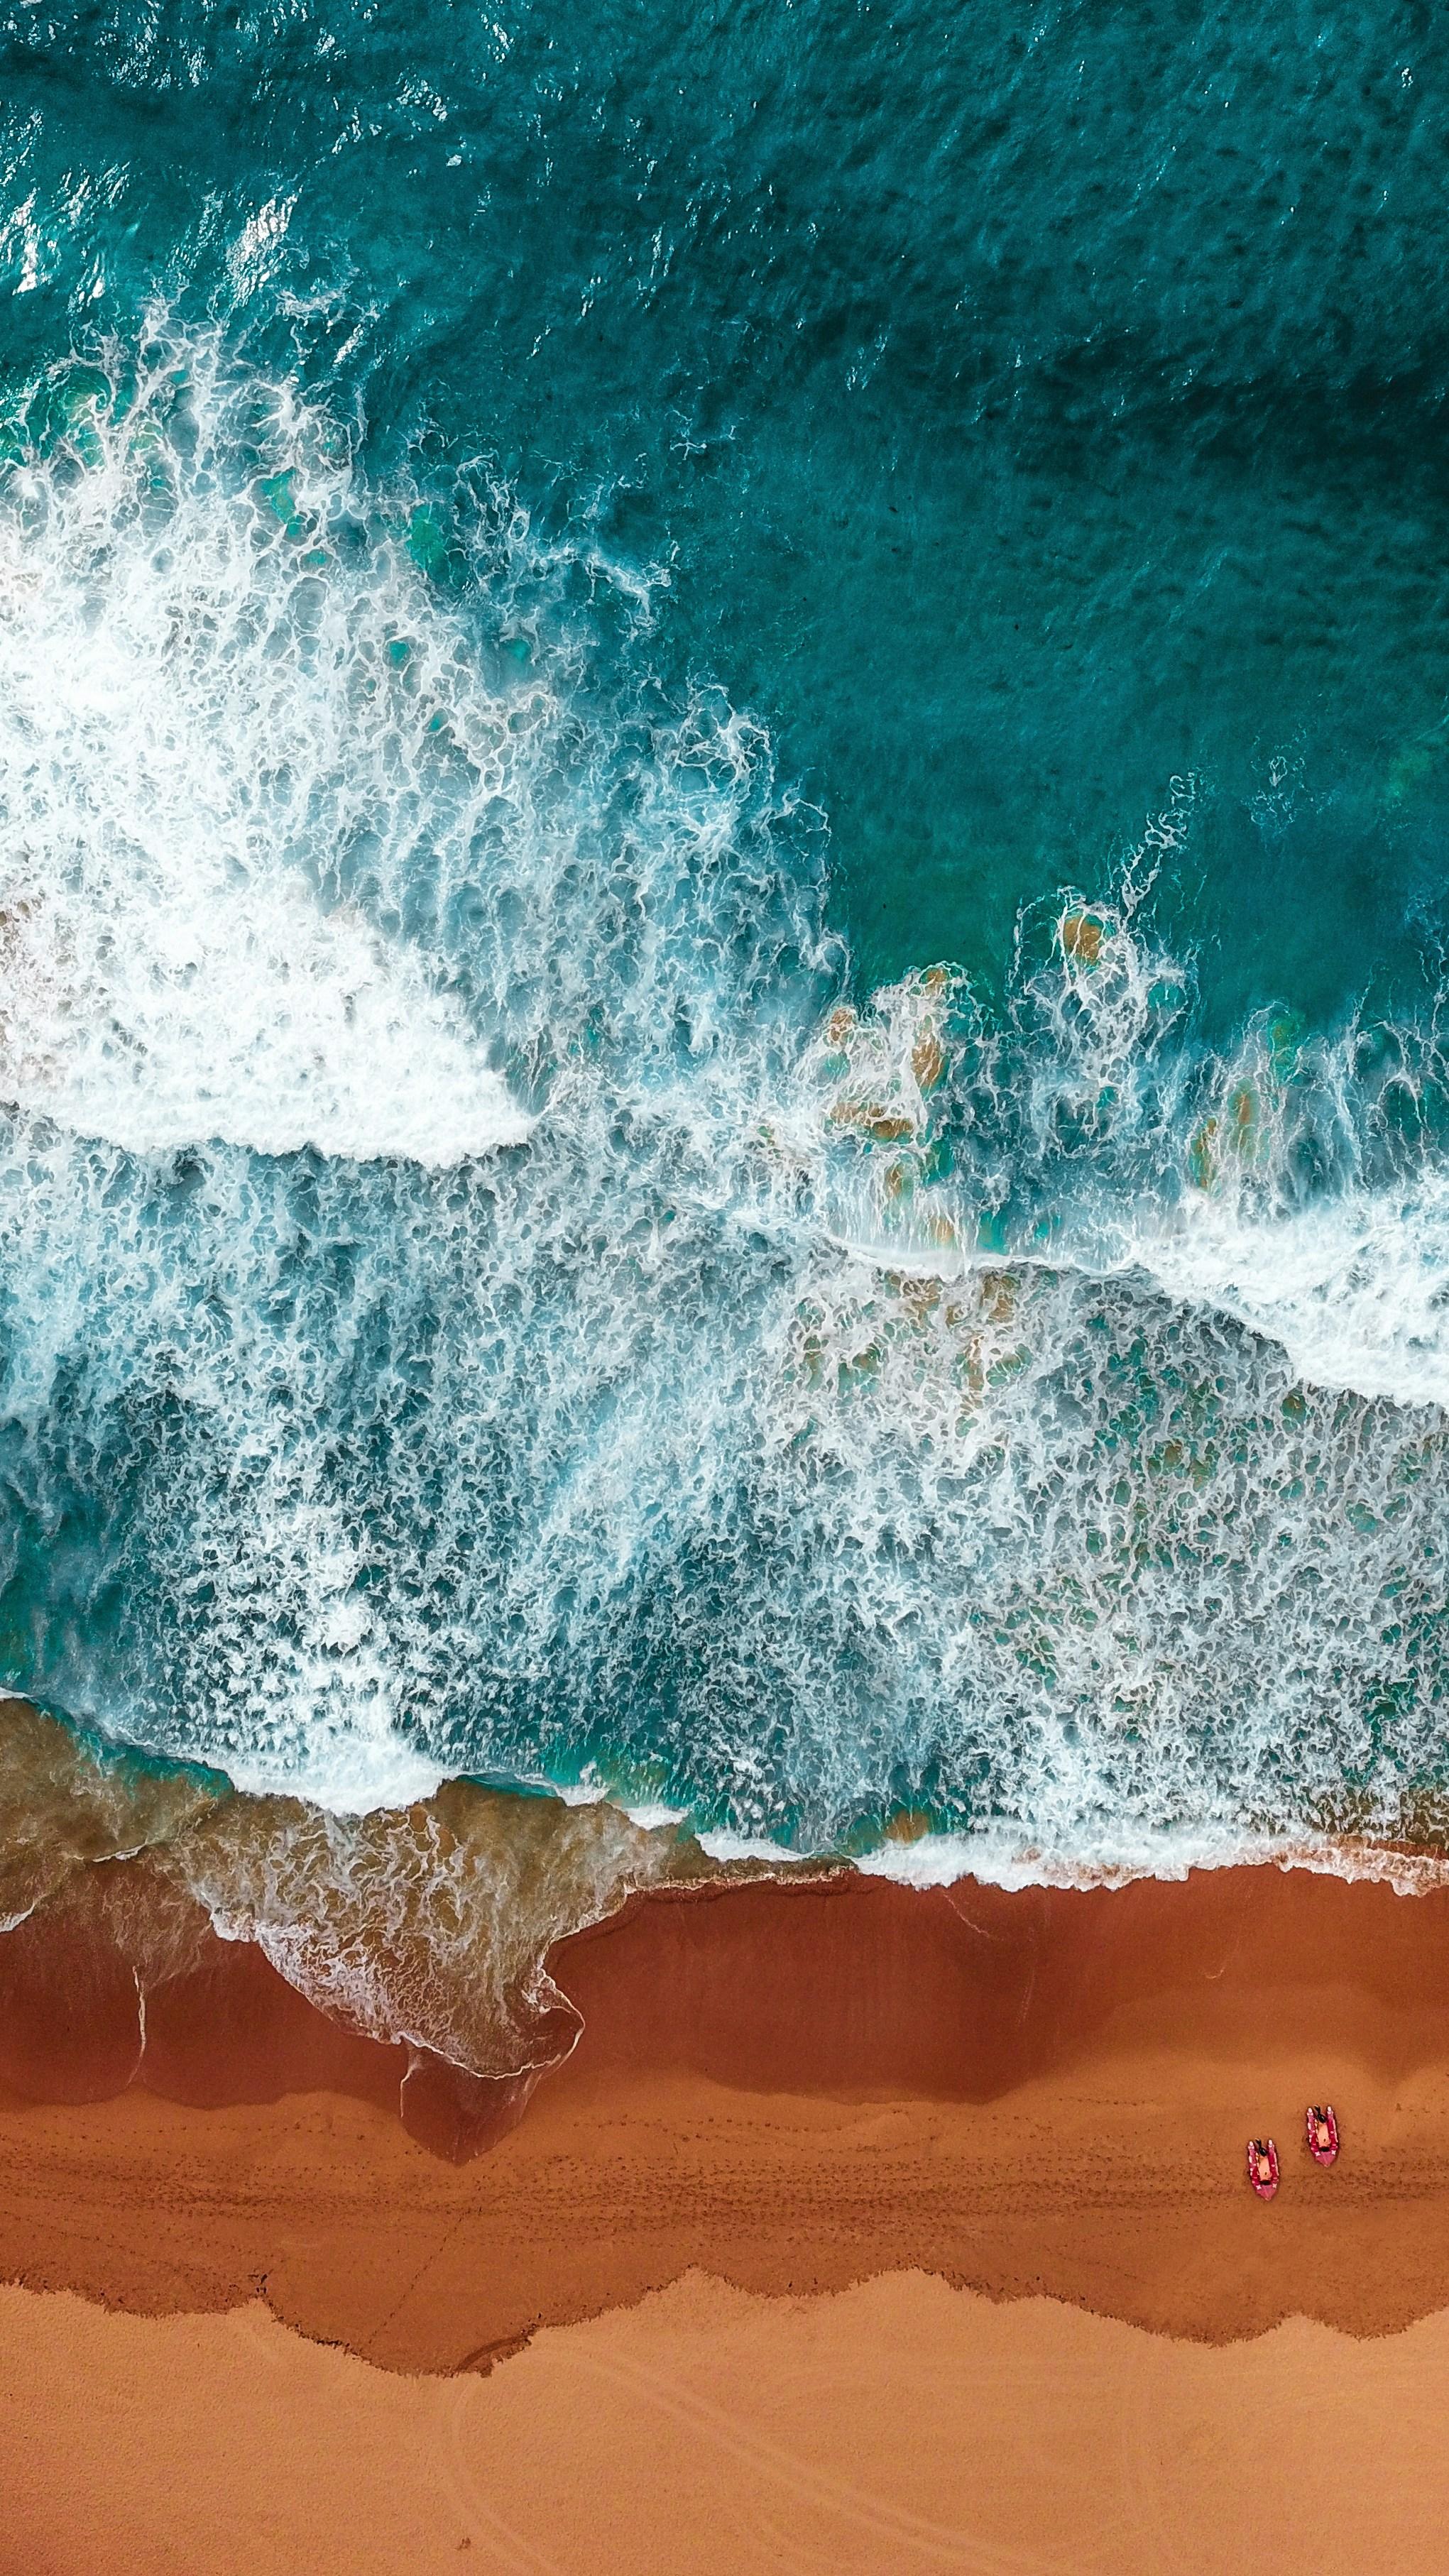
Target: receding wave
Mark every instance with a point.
(428, 1925)
(483, 1294)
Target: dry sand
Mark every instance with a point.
(900, 2425)
(790, 2090)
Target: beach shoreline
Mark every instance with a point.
(791, 2087)
(865, 2228)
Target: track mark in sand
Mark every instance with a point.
(403, 2296)
(939, 2542)
(520, 2554)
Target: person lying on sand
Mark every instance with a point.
(1262, 2167)
(1322, 2133)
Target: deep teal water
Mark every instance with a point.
(1028, 407)
(1035, 426)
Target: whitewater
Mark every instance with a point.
(485, 1295)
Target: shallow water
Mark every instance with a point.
(723, 770)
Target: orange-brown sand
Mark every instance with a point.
(844, 2088)
(899, 2425)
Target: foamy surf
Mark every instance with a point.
(202, 719)
(951, 1860)
(1356, 1291)
(1017, 1413)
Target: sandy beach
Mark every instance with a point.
(974, 2156)
(898, 2425)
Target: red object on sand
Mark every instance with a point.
(1263, 2167)
(1322, 2133)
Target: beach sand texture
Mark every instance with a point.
(899, 2425)
(748, 2229)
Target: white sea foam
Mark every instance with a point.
(195, 703)
(1355, 1290)
(998, 1860)
(721, 1845)
(1016, 1415)
(1120, 1151)
(994, 1860)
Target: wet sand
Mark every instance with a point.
(792, 2090)
(789, 2087)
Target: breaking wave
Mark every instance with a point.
(480, 1294)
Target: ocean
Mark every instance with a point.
(724, 768)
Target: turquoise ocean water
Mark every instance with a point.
(724, 770)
